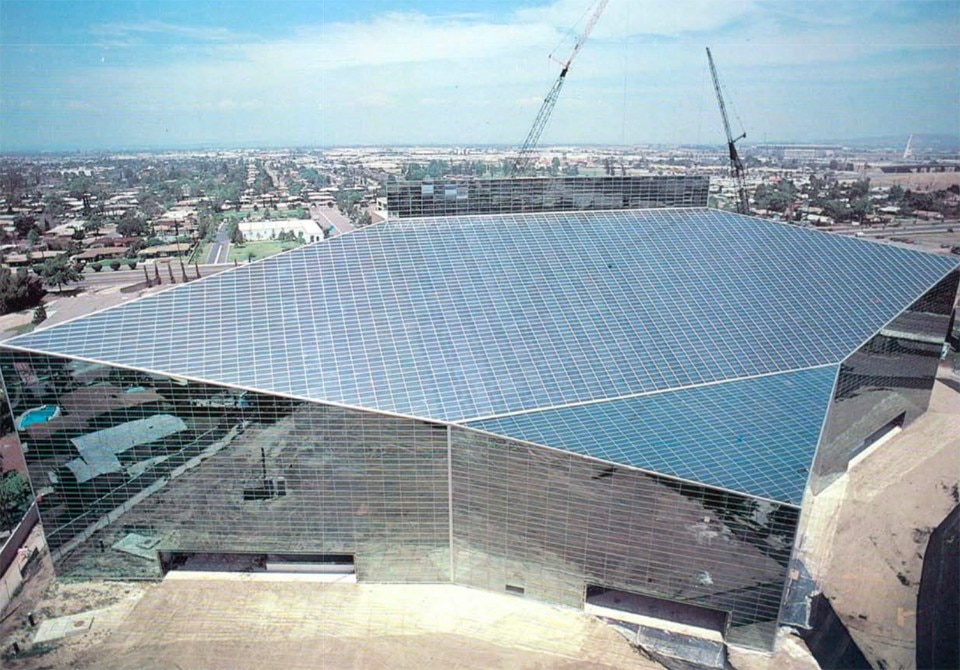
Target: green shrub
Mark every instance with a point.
(114, 265)
(97, 266)
(39, 314)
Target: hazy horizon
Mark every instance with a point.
(177, 75)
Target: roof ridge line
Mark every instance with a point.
(629, 396)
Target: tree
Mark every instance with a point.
(54, 206)
(13, 184)
(835, 209)
(94, 223)
(860, 189)
(39, 314)
(14, 499)
(132, 225)
(23, 224)
(60, 271)
(236, 236)
(132, 228)
(861, 208)
(19, 290)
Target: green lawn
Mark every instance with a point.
(251, 251)
(201, 252)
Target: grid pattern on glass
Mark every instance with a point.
(237, 472)
(465, 318)
(462, 196)
(197, 467)
(887, 382)
(756, 436)
(552, 522)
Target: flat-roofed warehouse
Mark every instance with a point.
(557, 404)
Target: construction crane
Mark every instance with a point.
(736, 165)
(530, 143)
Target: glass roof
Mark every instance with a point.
(755, 436)
(459, 318)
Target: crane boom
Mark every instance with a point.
(736, 165)
(546, 108)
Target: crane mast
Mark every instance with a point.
(533, 137)
(736, 165)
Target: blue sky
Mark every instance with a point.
(83, 74)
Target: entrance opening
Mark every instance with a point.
(878, 437)
(656, 612)
(338, 567)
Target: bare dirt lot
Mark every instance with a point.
(894, 499)
(229, 621)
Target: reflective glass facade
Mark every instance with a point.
(678, 367)
(458, 197)
(244, 472)
(886, 382)
(169, 465)
(550, 522)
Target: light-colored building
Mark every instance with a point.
(270, 229)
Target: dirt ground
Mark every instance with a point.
(924, 181)
(229, 621)
(894, 499)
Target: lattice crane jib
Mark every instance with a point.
(546, 108)
(736, 165)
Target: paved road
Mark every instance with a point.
(107, 278)
(220, 247)
(905, 230)
(330, 216)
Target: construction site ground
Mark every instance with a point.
(232, 621)
(889, 504)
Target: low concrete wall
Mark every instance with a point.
(12, 560)
(9, 551)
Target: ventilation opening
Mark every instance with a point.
(656, 613)
(337, 567)
(514, 590)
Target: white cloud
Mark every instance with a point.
(480, 78)
(119, 31)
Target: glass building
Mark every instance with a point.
(559, 405)
(512, 195)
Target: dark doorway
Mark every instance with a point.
(634, 606)
(894, 424)
(202, 561)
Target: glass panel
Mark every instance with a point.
(135, 463)
(457, 197)
(551, 523)
(887, 381)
